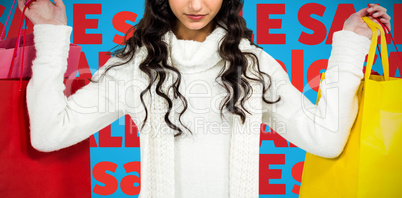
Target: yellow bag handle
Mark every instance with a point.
(384, 53)
(370, 59)
(319, 88)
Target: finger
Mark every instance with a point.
(21, 4)
(363, 12)
(381, 14)
(386, 22)
(59, 3)
(372, 18)
(376, 8)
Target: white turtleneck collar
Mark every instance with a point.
(192, 56)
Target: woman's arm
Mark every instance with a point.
(56, 121)
(323, 129)
(320, 129)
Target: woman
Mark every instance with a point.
(199, 88)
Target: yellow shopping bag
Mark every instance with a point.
(371, 162)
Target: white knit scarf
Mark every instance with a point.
(157, 146)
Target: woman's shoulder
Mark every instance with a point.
(123, 66)
(266, 62)
(249, 47)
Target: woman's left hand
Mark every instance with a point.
(356, 24)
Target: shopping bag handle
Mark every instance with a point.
(8, 18)
(384, 53)
(16, 48)
(387, 31)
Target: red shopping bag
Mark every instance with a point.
(26, 172)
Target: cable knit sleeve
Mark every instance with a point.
(321, 129)
(56, 121)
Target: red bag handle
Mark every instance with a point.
(16, 49)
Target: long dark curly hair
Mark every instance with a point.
(158, 20)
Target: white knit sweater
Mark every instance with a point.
(221, 148)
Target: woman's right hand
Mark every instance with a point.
(356, 24)
(45, 12)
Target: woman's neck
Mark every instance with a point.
(183, 33)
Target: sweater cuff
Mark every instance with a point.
(52, 40)
(349, 51)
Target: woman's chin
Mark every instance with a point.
(196, 25)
